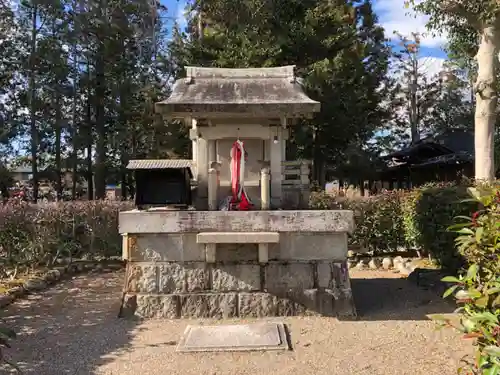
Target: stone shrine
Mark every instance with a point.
(216, 261)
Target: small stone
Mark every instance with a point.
(49, 278)
(98, 267)
(361, 265)
(351, 254)
(56, 274)
(387, 263)
(402, 269)
(35, 285)
(5, 300)
(374, 264)
(62, 270)
(398, 259)
(16, 291)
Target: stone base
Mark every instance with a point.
(221, 290)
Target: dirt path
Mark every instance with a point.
(73, 329)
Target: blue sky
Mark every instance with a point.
(392, 15)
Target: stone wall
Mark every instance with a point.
(237, 289)
(182, 247)
(171, 275)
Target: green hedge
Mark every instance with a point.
(415, 219)
(37, 235)
(34, 235)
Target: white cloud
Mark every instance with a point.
(395, 17)
(428, 66)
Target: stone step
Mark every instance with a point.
(238, 237)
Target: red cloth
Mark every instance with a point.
(240, 200)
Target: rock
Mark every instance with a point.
(374, 264)
(79, 267)
(387, 263)
(351, 254)
(56, 274)
(49, 278)
(99, 267)
(398, 259)
(402, 269)
(410, 265)
(16, 291)
(35, 284)
(5, 300)
(361, 265)
(52, 276)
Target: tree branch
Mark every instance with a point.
(458, 8)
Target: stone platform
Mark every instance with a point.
(282, 263)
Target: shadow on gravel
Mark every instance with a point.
(396, 299)
(71, 328)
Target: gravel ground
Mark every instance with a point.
(73, 329)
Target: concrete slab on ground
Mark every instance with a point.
(234, 338)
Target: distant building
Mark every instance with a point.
(22, 174)
(448, 156)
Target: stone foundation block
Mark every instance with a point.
(179, 278)
(171, 278)
(237, 277)
(207, 305)
(283, 277)
(196, 277)
(142, 279)
(257, 305)
(151, 306)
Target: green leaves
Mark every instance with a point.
(479, 288)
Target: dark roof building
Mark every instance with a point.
(442, 157)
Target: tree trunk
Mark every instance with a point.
(319, 170)
(32, 89)
(58, 131)
(486, 102)
(100, 115)
(89, 144)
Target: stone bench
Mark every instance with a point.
(263, 239)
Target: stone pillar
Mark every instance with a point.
(265, 194)
(202, 168)
(212, 151)
(194, 140)
(276, 172)
(213, 188)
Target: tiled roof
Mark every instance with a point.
(251, 90)
(159, 164)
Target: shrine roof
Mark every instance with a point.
(159, 164)
(250, 91)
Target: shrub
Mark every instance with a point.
(478, 291)
(379, 225)
(35, 235)
(427, 213)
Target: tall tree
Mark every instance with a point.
(339, 50)
(417, 91)
(467, 22)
